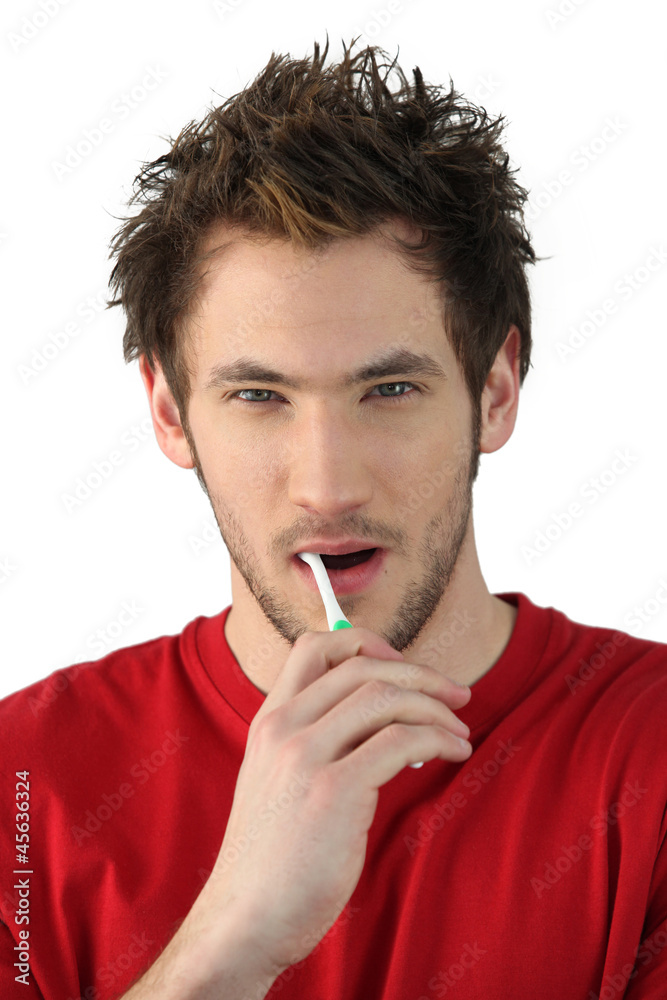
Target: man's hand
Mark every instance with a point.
(322, 744)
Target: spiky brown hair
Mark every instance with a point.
(310, 154)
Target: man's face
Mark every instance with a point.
(390, 459)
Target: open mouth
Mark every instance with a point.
(348, 560)
(349, 572)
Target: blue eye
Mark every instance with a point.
(398, 399)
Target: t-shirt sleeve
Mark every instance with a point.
(11, 987)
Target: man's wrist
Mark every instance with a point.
(206, 959)
(224, 951)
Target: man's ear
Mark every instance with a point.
(500, 396)
(166, 418)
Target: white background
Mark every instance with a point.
(558, 78)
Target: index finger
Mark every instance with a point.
(314, 653)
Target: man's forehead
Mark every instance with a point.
(401, 321)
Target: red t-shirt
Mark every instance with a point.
(536, 868)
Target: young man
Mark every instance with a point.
(229, 812)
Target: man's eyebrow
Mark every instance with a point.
(399, 361)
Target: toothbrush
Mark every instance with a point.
(335, 617)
